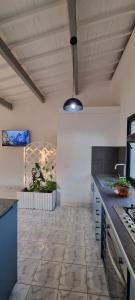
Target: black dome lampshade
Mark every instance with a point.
(73, 105)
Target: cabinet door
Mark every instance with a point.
(132, 288)
(8, 252)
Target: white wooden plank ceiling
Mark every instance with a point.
(38, 34)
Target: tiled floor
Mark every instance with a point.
(58, 257)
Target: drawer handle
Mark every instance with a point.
(98, 227)
(97, 198)
(97, 214)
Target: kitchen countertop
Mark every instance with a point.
(110, 200)
(5, 205)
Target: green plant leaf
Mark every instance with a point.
(122, 181)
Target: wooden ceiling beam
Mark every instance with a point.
(6, 104)
(6, 53)
(73, 33)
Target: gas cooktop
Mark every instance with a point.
(127, 216)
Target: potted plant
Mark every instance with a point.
(41, 193)
(121, 186)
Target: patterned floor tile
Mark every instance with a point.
(26, 270)
(31, 249)
(45, 240)
(96, 281)
(75, 254)
(93, 256)
(53, 252)
(73, 277)
(75, 238)
(89, 235)
(57, 237)
(90, 243)
(47, 274)
(68, 295)
(19, 292)
(41, 293)
(95, 297)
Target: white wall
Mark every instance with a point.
(42, 121)
(77, 132)
(123, 86)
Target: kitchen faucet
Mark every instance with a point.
(124, 170)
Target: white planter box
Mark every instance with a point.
(33, 200)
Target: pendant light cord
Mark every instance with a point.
(73, 55)
(73, 43)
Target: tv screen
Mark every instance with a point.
(15, 137)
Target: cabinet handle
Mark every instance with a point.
(92, 187)
(97, 234)
(120, 260)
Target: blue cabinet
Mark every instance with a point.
(132, 288)
(8, 252)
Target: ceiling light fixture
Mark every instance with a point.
(73, 104)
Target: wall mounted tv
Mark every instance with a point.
(15, 138)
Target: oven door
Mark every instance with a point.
(115, 268)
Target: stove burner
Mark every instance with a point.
(131, 212)
(127, 216)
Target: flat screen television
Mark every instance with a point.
(15, 137)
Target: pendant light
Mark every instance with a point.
(73, 104)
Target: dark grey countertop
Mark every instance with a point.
(110, 200)
(5, 205)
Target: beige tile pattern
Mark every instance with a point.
(53, 252)
(96, 281)
(68, 295)
(96, 297)
(93, 256)
(58, 256)
(47, 274)
(19, 292)
(36, 293)
(75, 254)
(26, 270)
(73, 277)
